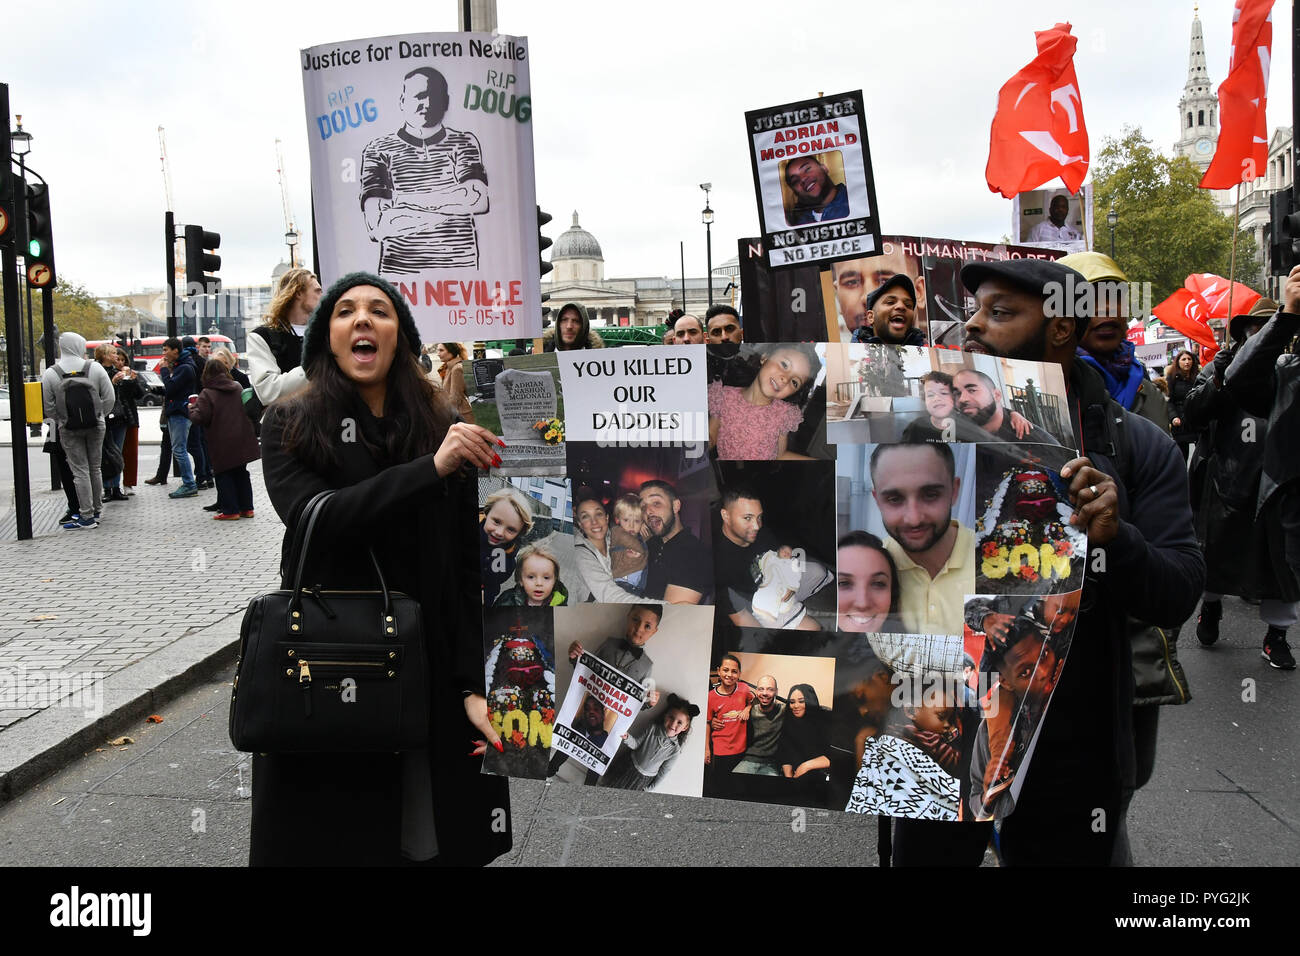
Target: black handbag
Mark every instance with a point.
(330, 671)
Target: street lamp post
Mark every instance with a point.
(707, 218)
(20, 144)
(291, 237)
(1112, 218)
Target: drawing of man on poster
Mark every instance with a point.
(422, 185)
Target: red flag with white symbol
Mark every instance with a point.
(1038, 132)
(1186, 312)
(1242, 152)
(1214, 290)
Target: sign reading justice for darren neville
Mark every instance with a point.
(422, 171)
(651, 395)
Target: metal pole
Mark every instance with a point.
(31, 335)
(1112, 242)
(681, 248)
(14, 337)
(51, 350)
(169, 226)
(708, 240)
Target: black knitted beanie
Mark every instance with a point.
(316, 338)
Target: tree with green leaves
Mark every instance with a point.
(76, 310)
(1168, 226)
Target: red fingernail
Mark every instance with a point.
(496, 461)
(501, 443)
(497, 744)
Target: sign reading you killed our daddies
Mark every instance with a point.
(653, 395)
(422, 171)
(812, 175)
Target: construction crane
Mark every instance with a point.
(167, 188)
(290, 228)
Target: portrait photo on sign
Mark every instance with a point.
(519, 670)
(1053, 217)
(525, 541)
(643, 524)
(774, 544)
(915, 760)
(877, 298)
(1022, 646)
(812, 188)
(769, 728)
(767, 401)
(910, 394)
(664, 648)
(905, 516)
(519, 399)
(1024, 541)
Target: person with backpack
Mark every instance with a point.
(76, 393)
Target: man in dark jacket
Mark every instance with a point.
(1129, 492)
(198, 440)
(1264, 376)
(1244, 554)
(179, 383)
(890, 318)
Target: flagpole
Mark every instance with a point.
(1232, 262)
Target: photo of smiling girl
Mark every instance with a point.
(754, 421)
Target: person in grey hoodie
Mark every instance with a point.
(83, 446)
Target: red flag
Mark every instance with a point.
(1214, 290)
(1038, 131)
(1186, 312)
(1242, 153)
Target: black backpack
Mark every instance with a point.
(80, 398)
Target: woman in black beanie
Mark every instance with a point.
(372, 426)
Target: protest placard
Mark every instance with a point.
(652, 395)
(597, 711)
(422, 172)
(812, 175)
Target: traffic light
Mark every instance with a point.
(38, 252)
(542, 245)
(200, 260)
(8, 222)
(1284, 233)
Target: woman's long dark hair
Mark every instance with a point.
(416, 411)
(811, 704)
(1174, 370)
(865, 539)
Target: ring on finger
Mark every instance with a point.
(1095, 493)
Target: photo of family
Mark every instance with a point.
(1025, 542)
(767, 402)
(661, 647)
(519, 668)
(769, 728)
(643, 524)
(525, 541)
(773, 545)
(917, 764)
(882, 394)
(1024, 643)
(905, 517)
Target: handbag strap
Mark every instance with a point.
(298, 561)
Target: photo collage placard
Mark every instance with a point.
(834, 575)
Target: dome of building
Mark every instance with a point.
(576, 243)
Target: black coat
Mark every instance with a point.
(1240, 550)
(1153, 571)
(346, 808)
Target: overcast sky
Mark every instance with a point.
(634, 106)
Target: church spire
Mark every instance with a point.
(1198, 78)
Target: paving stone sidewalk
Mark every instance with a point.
(77, 607)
